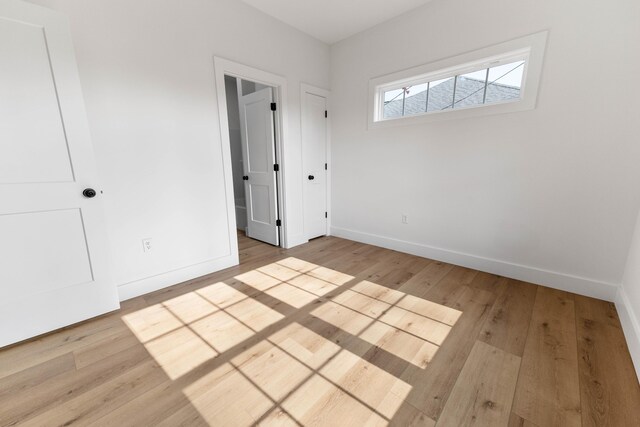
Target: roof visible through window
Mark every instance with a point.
(490, 85)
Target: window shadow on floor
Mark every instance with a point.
(293, 342)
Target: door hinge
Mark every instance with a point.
(276, 167)
(325, 215)
(326, 114)
(273, 106)
(325, 166)
(278, 223)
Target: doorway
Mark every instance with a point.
(290, 184)
(252, 117)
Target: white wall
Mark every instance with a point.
(249, 87)
(548, 195)
(146, 67)
(628, 301)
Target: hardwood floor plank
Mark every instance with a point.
(508, 323)
(605, 367)
(112, 345)
(351, 265)
(450, 288)
(332, 332)
(431, 387)
(603, 312)
(187, 416)
(548, 392)
(233, 399)
(320, 403)
(366, 383)
(65, 386)
(393, 274)
(431, 310)
(31, 377)
(99, 401)
(483, 393)
(517, 421)
(31, 353)
(489, 283)
(420, 283)
(278, 418)
(410, 416)
(151, 408)
(419, 325)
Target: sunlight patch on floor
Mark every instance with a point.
(179, 351)
(307, 369)
(226, 394)
(152, 322)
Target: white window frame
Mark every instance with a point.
(529, 48)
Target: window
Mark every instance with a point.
(491, 79)
(487, 83)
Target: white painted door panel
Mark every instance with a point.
(53, 249)
(54, 238)
(29, 110)
(314, 145)
(258, 151)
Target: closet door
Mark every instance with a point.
(314, 147)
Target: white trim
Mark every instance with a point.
(222, 67)
(552, 279)
(451, 73)
(314, 90)
(478, 65)
(154, 283)
(226, 67)
(630, 327)
(297, 239)
(532, 46)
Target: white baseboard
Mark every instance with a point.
(552, 279)
(150, 284)
(154, 283)
(630, 326)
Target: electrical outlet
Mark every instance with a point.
(146, 245)
(405, 219)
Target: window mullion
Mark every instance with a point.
(404, 96)
(426, 102)
(486, 83)
(453, 101)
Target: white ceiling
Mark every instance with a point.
(334, 20)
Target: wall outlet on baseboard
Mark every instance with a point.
(147, 245)
(405, 219)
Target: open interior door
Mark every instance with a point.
(258, 151)
(53, 247)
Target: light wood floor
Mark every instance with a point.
(332, 333)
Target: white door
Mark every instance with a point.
(314, 146)
(258, 152)
(53, 259)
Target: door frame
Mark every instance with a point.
(224, 67)
(314, 90)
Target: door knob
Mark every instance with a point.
(89, 193)
(311, 177)
(245, 178)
